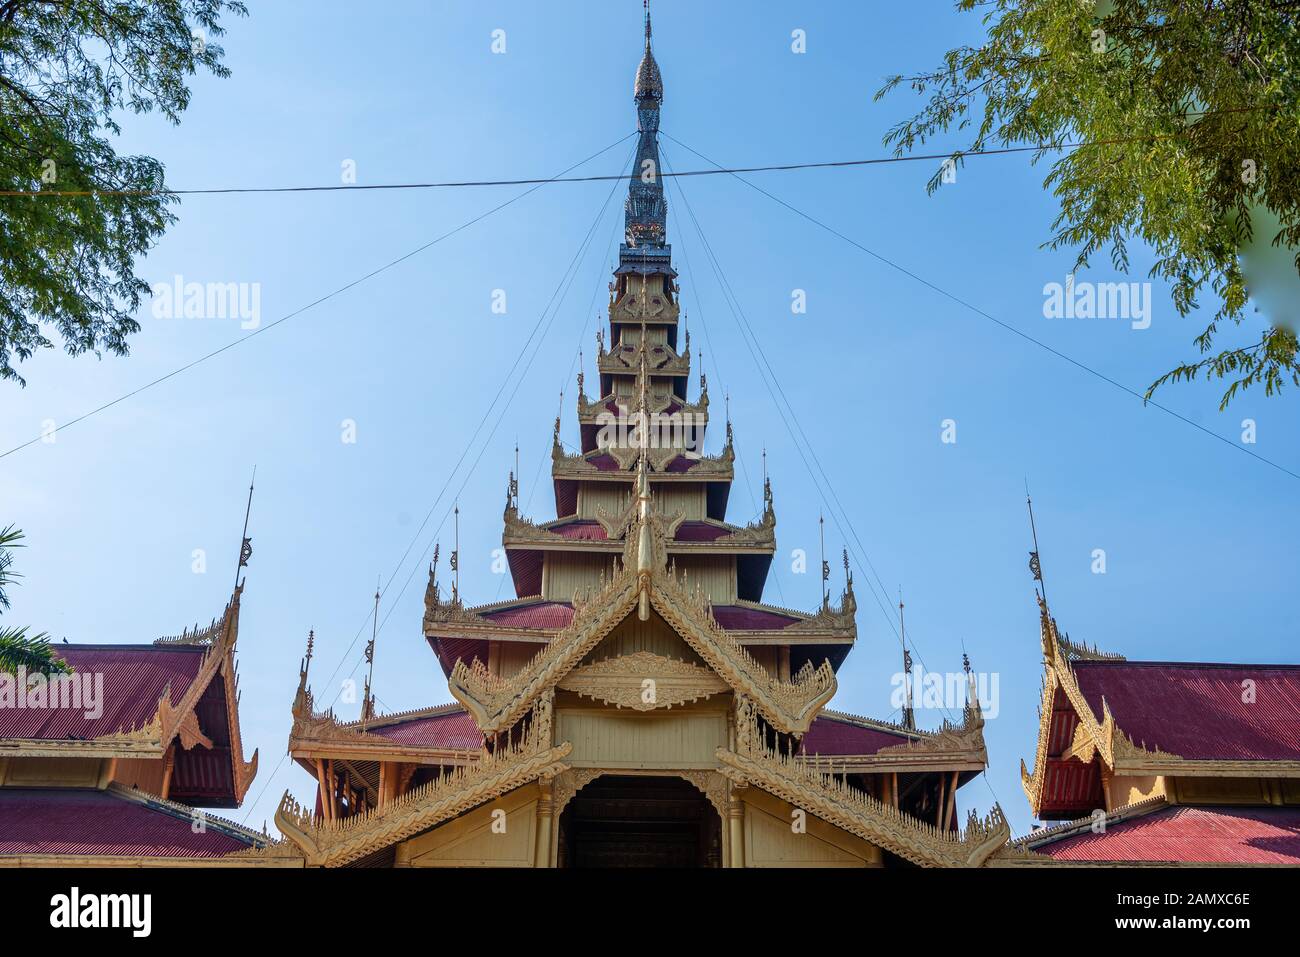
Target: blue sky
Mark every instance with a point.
(1199, 537)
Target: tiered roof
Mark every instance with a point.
(182, 689)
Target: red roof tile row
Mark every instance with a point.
(454, 729)
(831, 736)
(555, 614)
(588, 530)
(539, 614)
(1200, 711)
(741, 618)
(1193, 834)
(134, 678)
(88, 822)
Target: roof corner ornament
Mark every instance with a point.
(909, 715)
(432, 598)
(368, 695)
(302, 700)
(974, 716)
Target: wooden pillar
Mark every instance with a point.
(324, 791)
(952, 800)
(938, 811)
(545, 811)
(736, 829)
(893, 790)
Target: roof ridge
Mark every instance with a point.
(878, 724)
(396, 717)
(1117, 816)
(764, 606)
(518, 602)
(1186, 664)
(185, 811)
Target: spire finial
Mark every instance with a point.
(455, 556)
(368, 696)
(303, 668)
(826, 566)
(909, 716)
(1035, 563)
(246, 543)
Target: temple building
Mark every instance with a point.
(1168, 762)
(109, 766)
(637, 703)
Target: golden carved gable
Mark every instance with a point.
(643, 681)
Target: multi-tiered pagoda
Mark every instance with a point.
(637, 702)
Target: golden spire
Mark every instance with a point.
(645, 543)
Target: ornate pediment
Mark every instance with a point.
(496, 772)
(805, 785)
(643, 581)
(643, 681)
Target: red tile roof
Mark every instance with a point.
(589, 530)
(84, 822)
(135, 677)
(581, 530)
(700, 532)
(1196, 834)
(829, 736)
(742, 618)
(1196, 710)
(453, 729)
(540, 614)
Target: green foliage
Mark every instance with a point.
(66, 70)
(17, 648)
(1173, 98)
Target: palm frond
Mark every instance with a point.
(10, 538)
(33, 652)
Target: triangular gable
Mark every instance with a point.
(497, 703)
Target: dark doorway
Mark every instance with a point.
(634, 821)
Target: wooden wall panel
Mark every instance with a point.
(610, 738)
(771, 842)
(564, 573)
(716, 574)
(610, 496)
(633, 635)
(469, 841)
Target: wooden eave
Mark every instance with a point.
(315, 736)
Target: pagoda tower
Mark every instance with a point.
(636, 702)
